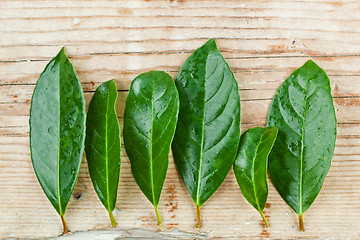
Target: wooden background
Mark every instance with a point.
(263, 42)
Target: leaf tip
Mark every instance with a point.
(212, 43)
(212, 40)
(109, 84)
(311, 63)
(62, 51)
(274, 129)
(62, 54)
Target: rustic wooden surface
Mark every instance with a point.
(263, 42)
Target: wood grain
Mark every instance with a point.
(263, 42)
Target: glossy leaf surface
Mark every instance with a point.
(150, 119)
(102, 145)
(57, 130)
(250, 166)
(208, 129)
(303, 111)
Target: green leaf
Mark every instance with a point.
(103, 146)
(150, 118)
(303, 111)
(250, 166)
(57, 131)
(208, 130)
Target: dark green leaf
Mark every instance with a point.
(57, 131)
(250, 166)
(303, 111)
(102, 145)
(150, 119)
(208, 130)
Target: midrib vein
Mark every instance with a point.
(59, 145)
(202, 138)
(253, 170)
(107, 151)
(151, 137)
(302, 145)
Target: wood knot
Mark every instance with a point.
(77, 195)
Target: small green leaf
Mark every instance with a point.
(208, 131)
(304, 113)
(250, 166)
(150, 118)
(103, 146)
(57, 131)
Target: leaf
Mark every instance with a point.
(303, 111)
(57, 131)
(102, 145)
(250, 166)
(150, 119)
(208, 130)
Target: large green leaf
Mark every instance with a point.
(250, 166)
(208, 131)
(57, 131)
(150, 118)
(303, 111)
(102, 145)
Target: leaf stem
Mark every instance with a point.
(112, 219)
(159, 221)
(65, 228)
(264, 218)
(301, 223)
(198, 214)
